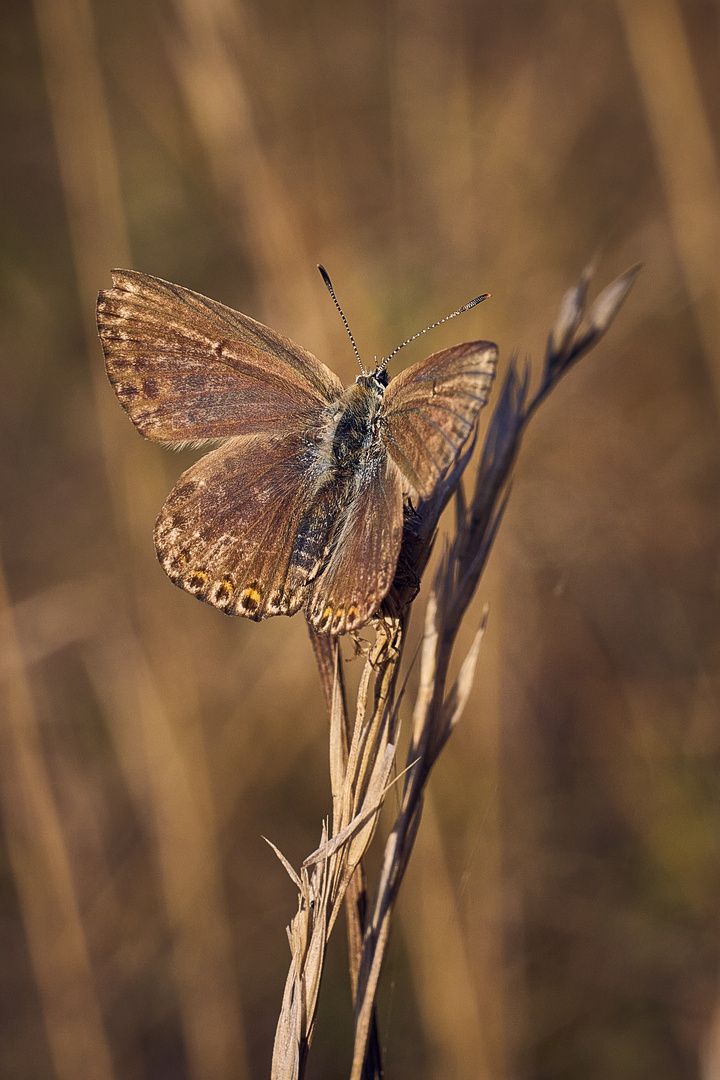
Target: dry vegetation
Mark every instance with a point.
(560, 915)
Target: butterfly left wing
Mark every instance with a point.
(247, 527)
(430, 409)
(365, 551)
(188, 369)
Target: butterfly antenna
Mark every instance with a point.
(465, 307)
(328, 283)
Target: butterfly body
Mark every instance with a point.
(349, 424)
(301, 506)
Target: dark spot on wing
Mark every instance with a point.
(150, 388)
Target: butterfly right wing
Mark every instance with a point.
(247, 527)
(430, 409)
(188, 369)
(364, 551)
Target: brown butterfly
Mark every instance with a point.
(302, 504)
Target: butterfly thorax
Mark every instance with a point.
(352, 422)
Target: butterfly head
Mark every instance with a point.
(374, 380)
(378, 375)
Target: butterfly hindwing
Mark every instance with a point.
(430, 409)
(188, 369)
(364, 551)
(247, 527)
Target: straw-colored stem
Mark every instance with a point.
(359, 787)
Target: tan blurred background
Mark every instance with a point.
(562, 916)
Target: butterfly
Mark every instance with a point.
(302, 503)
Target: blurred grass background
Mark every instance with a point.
(562, 916)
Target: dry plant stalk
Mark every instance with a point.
(362, 755)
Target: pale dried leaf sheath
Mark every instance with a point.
(359, 790)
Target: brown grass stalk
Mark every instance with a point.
(682, 133)
(172, 775)
(43, 877)
(360, 768)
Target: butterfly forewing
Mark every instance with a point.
(189, 369)
(364, 551)
(430, 410)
